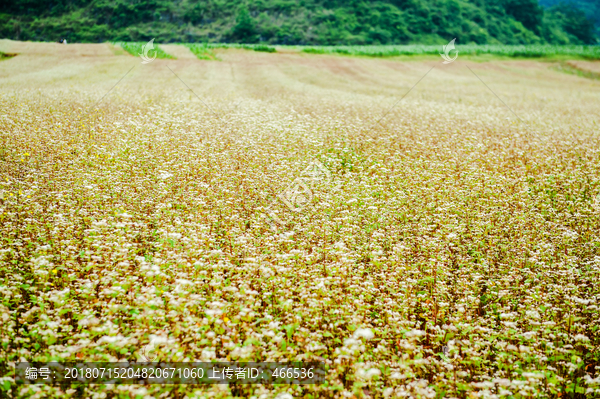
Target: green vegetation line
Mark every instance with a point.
(136, 48)
(307, 22)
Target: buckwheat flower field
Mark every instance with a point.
(453, 249)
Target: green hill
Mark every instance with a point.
(316, 22)
(591, 9)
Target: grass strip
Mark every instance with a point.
(135, 49)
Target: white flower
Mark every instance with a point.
(596, 203)
(158, 340)
(213, 312)
(502, 382)
(274, 325)
(484, 384)
(208, 354)
(284, 395)
(41, 261)
(164, 175)
(570, 234)
(88, 321)
(368, 374)
(507, 315)
(372, 373)
(111, 340)
(523, 348)
(415, 333)
(581, 337)
(242, 352)
(581, 301)
(532, 314)
(365, 333)
(533, 375)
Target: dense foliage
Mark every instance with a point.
(319, 22)
(591, 8)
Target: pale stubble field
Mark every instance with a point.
(134, 213)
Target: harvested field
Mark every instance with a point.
(452, 248)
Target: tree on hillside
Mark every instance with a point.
(325, 22)
(527, 12)
(591, 8)
(573, 21)
(244, 30)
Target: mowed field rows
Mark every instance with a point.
(132, 211)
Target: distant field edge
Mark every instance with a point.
(205, 51)
(585, 52)
(512, 51)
